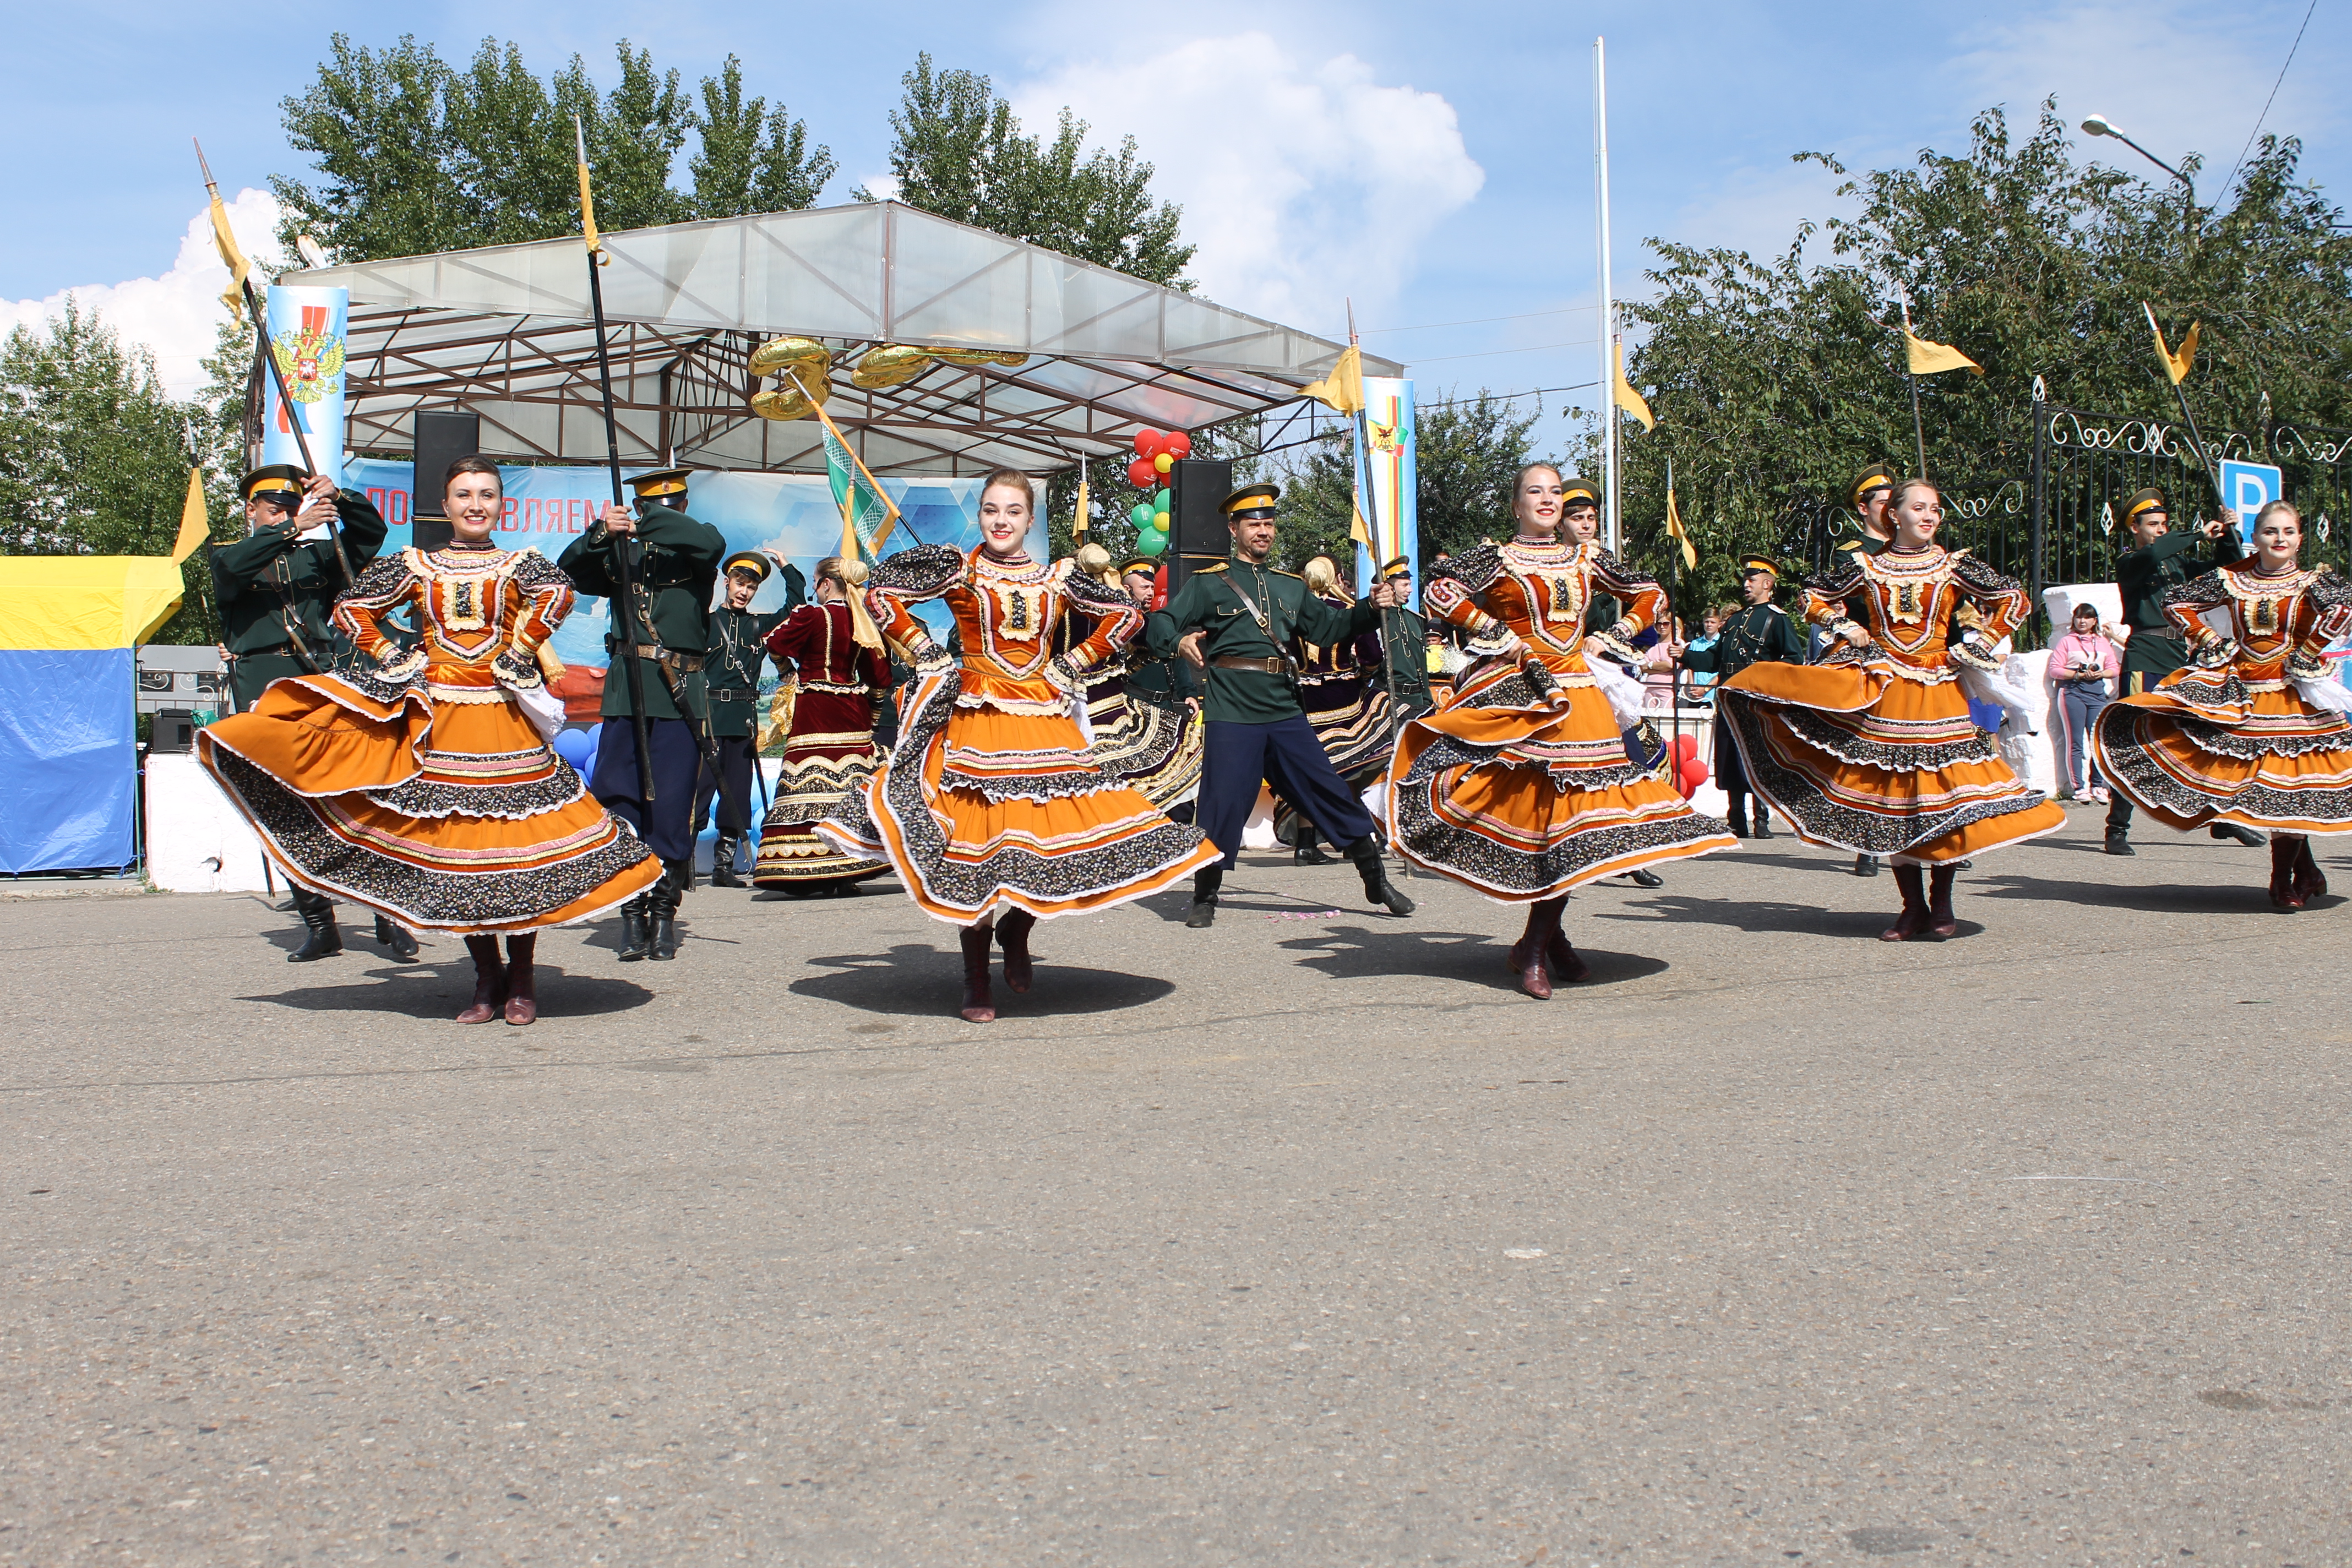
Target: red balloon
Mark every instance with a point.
(1177, 444)
(1147, 443)
(1141, 474)
(1685, 745)
(1694, 774)
(1160, 588)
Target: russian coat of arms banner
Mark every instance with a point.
(307, 335)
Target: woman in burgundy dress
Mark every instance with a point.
(832, 654)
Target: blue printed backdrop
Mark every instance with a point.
(792, 514)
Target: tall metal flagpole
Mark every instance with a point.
(1608, 335)
(1918, 431)
(1371, 519)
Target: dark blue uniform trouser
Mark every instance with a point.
(1286, 755)
(731, 783)
(667, 826)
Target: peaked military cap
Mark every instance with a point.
(280, 482)
(1877, 477)
(1143, 563)
(2146, 500)
(661, 482)
(1575, 493)
(1400, 567)
(1252, 501)
(750, 562)
(1755, 564)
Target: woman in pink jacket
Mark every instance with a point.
(2084, 663)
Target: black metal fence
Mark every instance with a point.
(2061, 521)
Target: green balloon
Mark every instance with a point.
(1150, 542)
(1142, 515)
(1159, 502)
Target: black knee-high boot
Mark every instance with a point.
(1366, 853)
(325, 939)
(1205, 884)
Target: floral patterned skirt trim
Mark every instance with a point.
(810, 787)
(964, 852)
(1858, 759)
(2262, 758)
(1154, 751)
(1525, 804)
(1353, 730)
(457, 819)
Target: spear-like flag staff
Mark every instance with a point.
(625, 576)
(1390, 634)
(2176, 371)
(241, 284)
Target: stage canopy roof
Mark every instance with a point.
(506, 333)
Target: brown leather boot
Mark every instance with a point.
(2309, 879)
(489, 981)
(1914, 917)
(2284, 853)
(1012, 929)
(1940, 919)
(1527, 959)
(1565, 966)
(522, 1002)
(978, 1007)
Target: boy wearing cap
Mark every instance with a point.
(2158, 562)
(1241, 622)
(730, 682)
(1759, 633)
(675, 563)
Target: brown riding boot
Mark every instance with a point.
(1527, 959)
(1914, 917)
(2309, 879)
(522, 1002)
(2284, 853)
(978, 1007)
(1012, 929)
(1565, 966)
(1940, 919)
(489, 981)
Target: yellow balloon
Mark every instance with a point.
(1163, 462)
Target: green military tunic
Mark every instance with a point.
(271, 581)
(1165, 681)
(1759, 633)
(677, 562)
(1406, 655)
(1228, 600)
(730, 675)
(2144, 576)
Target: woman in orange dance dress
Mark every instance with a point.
(1520, 786)
(425, 788)
(2254, 730)
(1873, 751)
(989, 809)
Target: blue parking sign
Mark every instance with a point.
(2246, 489)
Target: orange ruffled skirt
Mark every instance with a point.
(450, 817)
(1861, 759)
(2203, 749)
(984, 806)
(1524, 797)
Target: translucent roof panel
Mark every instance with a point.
(505, 331)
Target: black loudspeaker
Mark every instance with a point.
(174, 731)
(1197, 488)
(441, 439)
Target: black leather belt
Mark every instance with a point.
(1266, 666)
(734, 693)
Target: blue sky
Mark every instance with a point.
(1435, 165)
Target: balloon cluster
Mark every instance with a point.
(577, 747)
(1690, 769)
(1155, 455)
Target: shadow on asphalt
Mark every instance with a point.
(915, 979)
(2247, 894)
(1477, 957)
(442, 990)
(1756, 915)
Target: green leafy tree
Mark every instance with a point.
(958, 152)
(94, 456)
(1774, 381)
(414, 155)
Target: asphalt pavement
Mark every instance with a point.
(1302, 1240)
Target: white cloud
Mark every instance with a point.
(1301, 184)
(177, 314)
(2128, 62)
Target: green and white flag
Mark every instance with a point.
(867, 515)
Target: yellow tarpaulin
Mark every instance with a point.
(80, 602)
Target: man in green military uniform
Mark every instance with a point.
(731, 679)
(1242, 622)
(1405, 645)
(2158, 561)
(275, 588)
(674, 563)
(1761, 632)
(1164, 680)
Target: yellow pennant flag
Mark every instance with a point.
(1629, 400)
(196, 527)
(1342, 390)
(587, 202)
(239, 268)
(1931, 359)
(1679, 534)
(1362, 533)
(1078, 525)
(2176, 365)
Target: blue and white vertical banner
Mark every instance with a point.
(308, 331)
(1387, 485)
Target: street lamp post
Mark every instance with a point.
(2100, 125)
